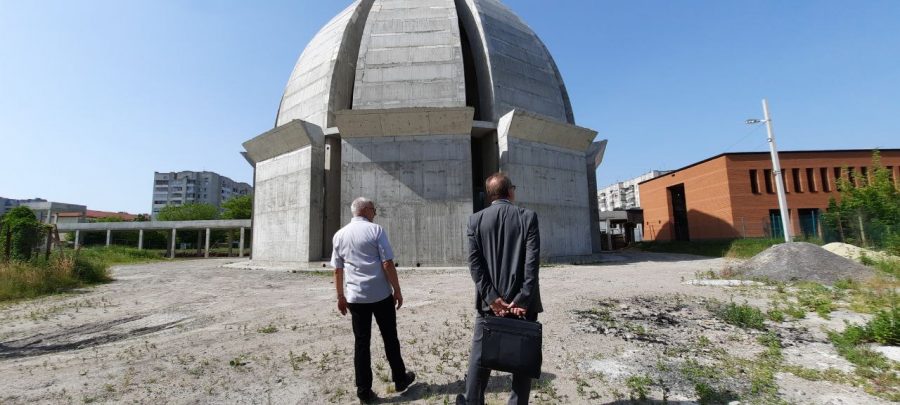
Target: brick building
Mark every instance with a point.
(733, 195)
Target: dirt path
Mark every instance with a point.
(194, 331)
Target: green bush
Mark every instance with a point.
(744, 316)
(884, 328)
(65, 271)
(23, 231)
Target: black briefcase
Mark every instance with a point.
(511, 345)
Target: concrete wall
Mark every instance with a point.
(288, 206)
(422, 188)
(416, 165)
(410, 56)
(550, 180)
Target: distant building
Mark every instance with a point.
(624, 195)
(46, 211)
(179, 188)
(7, 204)
(91, 216)
(733, 195)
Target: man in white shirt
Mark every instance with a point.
(367, 284)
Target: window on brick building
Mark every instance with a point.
(795, 176)
(811, 181)
(837, 176)
(754, 182)
(767, 175)
(784, 182)
(826, 185)
(851, 175)
(864, 174)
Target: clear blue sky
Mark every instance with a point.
(96, 95)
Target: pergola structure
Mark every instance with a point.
(173, 226)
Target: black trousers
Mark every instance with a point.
(477, 377)
(386, 317)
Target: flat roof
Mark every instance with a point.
(766, 153)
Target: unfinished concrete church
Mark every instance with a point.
(413, 104)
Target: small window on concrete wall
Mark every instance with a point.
(754, 182)
(795, 177)
(811, 181)
(767, 175)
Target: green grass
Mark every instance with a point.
(744, 316)
(64, 271)
(737, 248)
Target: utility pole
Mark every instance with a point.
(779, 179)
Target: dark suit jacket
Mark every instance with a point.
(504, 256)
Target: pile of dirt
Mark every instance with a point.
(854, 252)
(801, 261)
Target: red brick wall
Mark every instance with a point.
(720, 200)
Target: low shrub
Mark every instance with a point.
(64, 271)
(744, 316)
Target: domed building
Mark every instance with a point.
(413, 104)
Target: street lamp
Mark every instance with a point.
(776, 170)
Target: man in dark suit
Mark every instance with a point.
(504, 258)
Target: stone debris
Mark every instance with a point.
(801, 261)
(855, 252)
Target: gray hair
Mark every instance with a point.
(359, 205)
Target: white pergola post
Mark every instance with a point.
(206, 251)
(77, 238)
(108, 236)
(172, 244)
(241, 244)
(140, 239)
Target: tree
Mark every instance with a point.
(239, 207)
(867, 213)
(21, 231)
(188, 212)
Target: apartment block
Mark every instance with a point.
(187, 187)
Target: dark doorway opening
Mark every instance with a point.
(775, 223)
(485, 162)
(679, 213)
(809, 222)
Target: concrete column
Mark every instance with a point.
(206, 250)
(172, 244)
(77, 239)
(108, 236)
(241, 244)
(141, 239)
(609, 237)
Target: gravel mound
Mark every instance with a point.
(854, 252)
(803, 261)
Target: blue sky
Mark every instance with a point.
(96, 95)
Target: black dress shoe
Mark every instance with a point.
(367, 397)
(460, 399)
(402, 386)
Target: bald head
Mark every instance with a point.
(498, 186)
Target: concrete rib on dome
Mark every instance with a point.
(516, 70)
(410, 56)
(322, 80)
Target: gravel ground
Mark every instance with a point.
(195, 331)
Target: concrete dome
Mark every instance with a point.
(384, 54)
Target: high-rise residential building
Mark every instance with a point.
(624, 194)
(179, 188)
